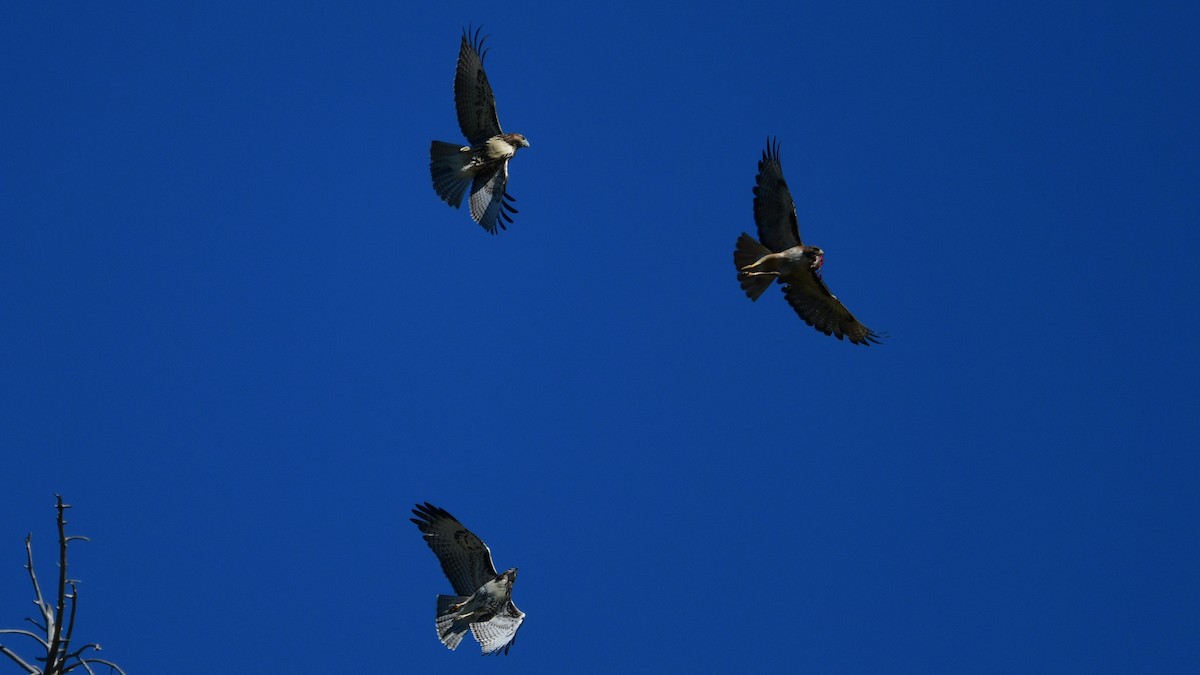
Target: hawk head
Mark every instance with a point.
(503, 584)
(817, 256)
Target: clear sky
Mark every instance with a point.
(242, 335)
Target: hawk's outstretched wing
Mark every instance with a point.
(465, 559)
(498, 634)
(490, 204)
(810, 297)
(774, 210)
(472, 94)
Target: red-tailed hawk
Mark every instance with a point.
(482, 165)
(483, 603)
(782, 256)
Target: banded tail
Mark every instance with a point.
(748, 252)
(446, 163)
(450, 628)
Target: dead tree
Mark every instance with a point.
(56, 621)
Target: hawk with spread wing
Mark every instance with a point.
(483, 603)
(782, 256)
(482, 165)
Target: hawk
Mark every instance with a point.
(482, 165)
(483, 603)
(781, 256)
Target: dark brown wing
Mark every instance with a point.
(774, 210)
(807, 293)
(473, 97)
(465, 559)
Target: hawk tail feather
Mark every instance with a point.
(446, 163)
(450, 629)
(748, 252)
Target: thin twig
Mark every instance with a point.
(39, 599)
(85, 664)
(74, 597)
(77, 664)
(37, 590)
(105, 662)
(35, 636)
(76, 654)
(18, 660)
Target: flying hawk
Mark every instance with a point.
(782, 256)
(482, 165)
(483, 602)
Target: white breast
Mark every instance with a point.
(498, 148)
(792, 260)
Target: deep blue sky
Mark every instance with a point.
(241, 334)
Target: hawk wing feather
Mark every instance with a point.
(498, 634)
(473, 99)
(810, 297)
(465, 559)
(489, 202)
(774, 209)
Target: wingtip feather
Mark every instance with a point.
(474, 41)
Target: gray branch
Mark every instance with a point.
(58, 646)
(105, 662)
(58, 620)
(35, 636)
(19, 661)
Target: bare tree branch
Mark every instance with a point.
(54, 664)
(58, 658)
(35, 636)
(72, 596)
(79, 652)
(85, 666)
(39, 600)
(105, 662)
(19, 661)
